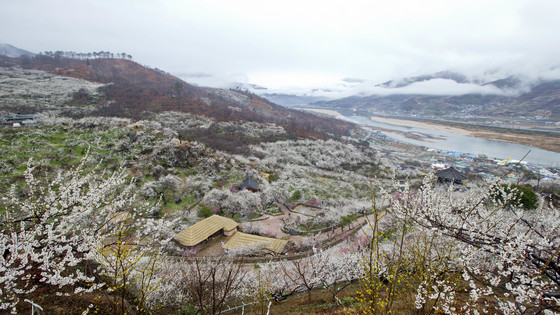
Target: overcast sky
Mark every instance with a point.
(298, 45)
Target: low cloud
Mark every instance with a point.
(213, 80)
(441, 87)
(429, 87)
(324, 46)
(552, 73)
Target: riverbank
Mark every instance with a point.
(418, 124)
(543, 140)
(549, 141)
(540, 141)
(328, 112)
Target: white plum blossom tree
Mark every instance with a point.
(53, 229)
(445, 241)
(53, 236)
(504, 248)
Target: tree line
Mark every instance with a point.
(84, 56)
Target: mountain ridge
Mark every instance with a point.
(134, 88)
(541, 101)
(134, 91)
(512, 96)
(447, 75)
(8, 50)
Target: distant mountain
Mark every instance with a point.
(8, 50)
(540, 100)
(445, 83)
(511, 82)
(291, 100)
(442, 94)
(451, 94)
(457, 77)
(543, 100)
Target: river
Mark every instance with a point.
(443, 140)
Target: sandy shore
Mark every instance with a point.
(545, 142)
(417, 124)
(329, 112)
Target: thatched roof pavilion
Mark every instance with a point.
(272, 245)
(199, 232)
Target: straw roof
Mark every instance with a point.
(244, 239)
(200, 231)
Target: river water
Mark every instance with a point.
(443, 140)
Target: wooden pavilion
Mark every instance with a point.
(450, 175)
(201, 231)
(250, 184)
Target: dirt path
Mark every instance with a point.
(272, 226)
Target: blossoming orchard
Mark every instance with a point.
(91, 209)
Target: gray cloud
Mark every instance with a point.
(429, 87)
(443, 87)
(299, 45)
(213, 80)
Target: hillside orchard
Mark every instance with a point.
(89, 208)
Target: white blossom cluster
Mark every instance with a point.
(238, 202)
(332, 270)
(188, 122)
(317, 169)
(499, 247)
(36, 88)
(324, 269)
(252, 129)
(231, 96)
(328, 154)
(154, 188)
(72, 218)
(181, 121)
(49, 119)
(53, 229)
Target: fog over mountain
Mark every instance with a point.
(443, 83)
(14, 52)
(308, 47)
(517, 94)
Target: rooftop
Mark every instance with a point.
(243, 239)
(200, 231)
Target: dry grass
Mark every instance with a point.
(322, 302)
(537, 140)
(541, 139)
(66, 305)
